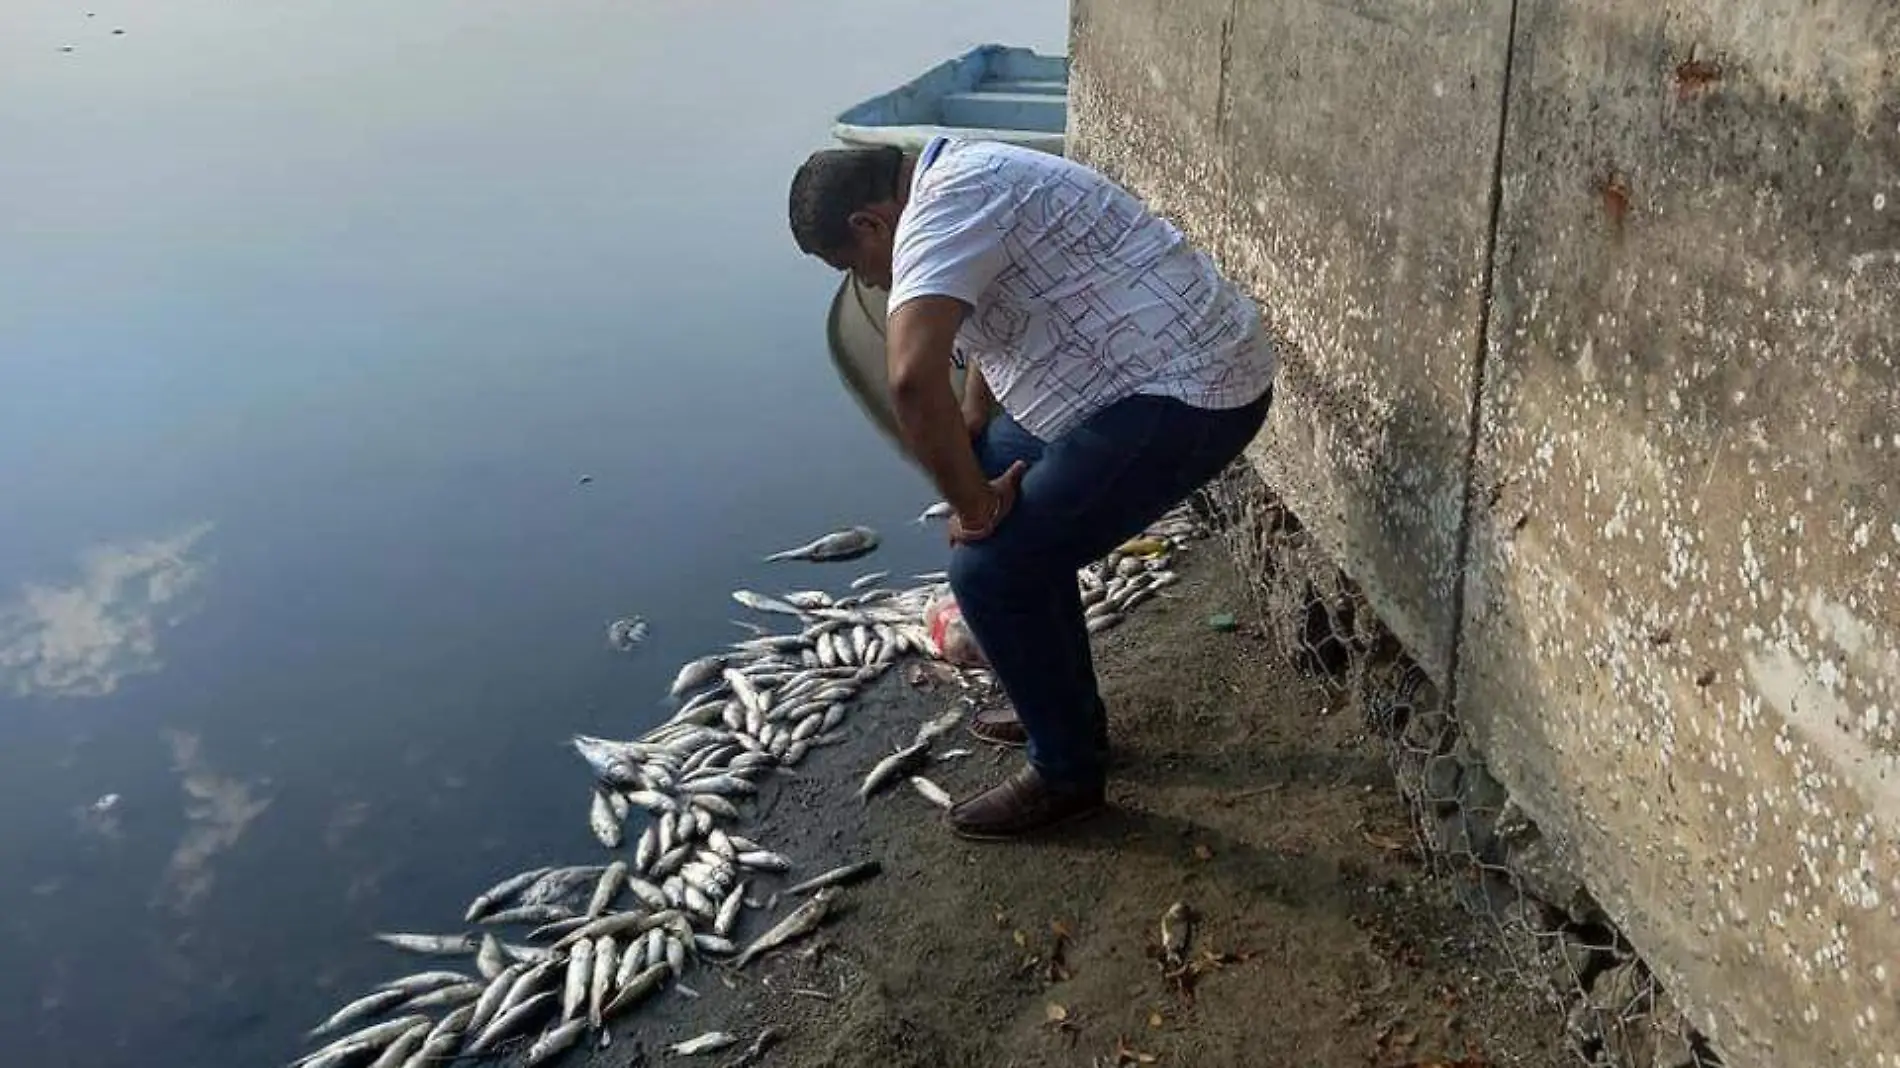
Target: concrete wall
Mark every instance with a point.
(1673, 620)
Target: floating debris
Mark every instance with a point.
(606, 938)
(627, 634)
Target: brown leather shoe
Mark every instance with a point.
(1022, 804)
(999, 726)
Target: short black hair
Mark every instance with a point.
(833, 183)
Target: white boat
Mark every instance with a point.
(991, 93)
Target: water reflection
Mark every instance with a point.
(82, 640)
(218, 809)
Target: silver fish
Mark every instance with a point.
(635, 991)
(443, 1039)
(528, 954)
(940, 510)
(490, 1000)
(356, 1044)
(606, 960)
(371, 1004)
(847, 544)
(655, 948)
(558, 928)
(433, 945)
(600, 819)
(728, 915)
(867, 581)
(422, 982)
(844, 876)
(580, 972)
(489, 959)
(607, 889)
(556, 1041)
(802, 921)
(525, 987)
(649, 895)
(632, 959)
(446, 997)
(715, 945)
(512, 1022)
(696, 673)
(764, 860)
(710, 1042)
(724, 785)
(648, 848)
(887, 771)
(758, 602)
(502, 891)
(561, 883)
(651, 800)
(676, 955)
(748, 694)
(714, 804)
(808, 599)
(932, 793)
(404, 1045)
(932, 729)
(529, 914)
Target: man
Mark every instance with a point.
(1129, 373)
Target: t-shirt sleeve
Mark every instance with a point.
(950, 243)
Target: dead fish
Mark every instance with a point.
(638, 990)
(502, 891)
(490, 1000)
(952, 754)
(932, 729)
(802, 921)
(489, 959)
(847, 544)
(607, 889)
(371, 1004)
(606, 960)
(886, 771)
(530, 983)
(433, 945)
(867, 581)
(626, 634)
(580, 972)
(600, 819)
(764, 860)
(710, 1042)
(728, 914)
(512, 1022)
(697, 673)
(933, 793)
(713, 944)
(1177, 928)
(529, 914)
(423, 982)
(447, 996)
(759, 602)
(940, 510)
(443, 1039)
(355, 1045)
(398, 1051)
(1104, 622)
(844, 876)
(748, 694)
(556, 1041)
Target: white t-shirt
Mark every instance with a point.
(1081, 297)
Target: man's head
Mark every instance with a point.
(845, 205)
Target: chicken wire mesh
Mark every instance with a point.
(1470, 833)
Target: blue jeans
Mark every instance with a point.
(1084, 493)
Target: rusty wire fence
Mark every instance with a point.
(1470, 832)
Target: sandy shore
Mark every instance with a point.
(1239, 789)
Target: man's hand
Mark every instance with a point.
(1003, 491)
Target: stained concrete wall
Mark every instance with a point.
(1673, 619)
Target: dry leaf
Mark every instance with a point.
(1021, 938)
(1126, 1054)
(1385, 842)
(1155, 1021)
(1059, 929)
(1056, 1013)
(1203, 852)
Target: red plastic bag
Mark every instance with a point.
(951, 636)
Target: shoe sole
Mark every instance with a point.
(979, 836)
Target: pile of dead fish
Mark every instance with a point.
(596, 941)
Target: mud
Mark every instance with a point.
(1240, 789)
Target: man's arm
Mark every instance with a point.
(919, 341)
(977, 400)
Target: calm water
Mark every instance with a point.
(312, 316)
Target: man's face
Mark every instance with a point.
(868, 253)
